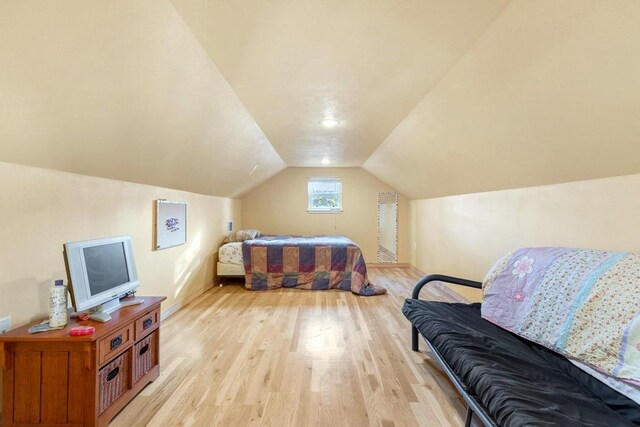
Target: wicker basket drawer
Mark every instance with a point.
(113, 380)
(145, 356)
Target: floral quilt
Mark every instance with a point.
(584, 304)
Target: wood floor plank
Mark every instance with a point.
(291, 357)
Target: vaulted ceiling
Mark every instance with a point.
(549, 93)
(122, 89)
(435, 97)
(364, 63)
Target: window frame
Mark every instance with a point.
(314, 179)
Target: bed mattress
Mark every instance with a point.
(226, 269)
(231, 253)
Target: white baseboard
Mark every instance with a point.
(388, 265)
(166, 313)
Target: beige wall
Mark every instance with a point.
(464, 235)
(280, 206)
(42, 209)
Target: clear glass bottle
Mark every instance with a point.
(58, 304)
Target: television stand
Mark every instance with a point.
(101, 312)
(54, 379)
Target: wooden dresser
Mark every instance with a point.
(52, 378)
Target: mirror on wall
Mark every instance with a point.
(387, 227)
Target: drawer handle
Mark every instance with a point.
(147, 323)
(144, 349)
(113, 374)
(116, 342)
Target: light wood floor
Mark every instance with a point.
(296, 358)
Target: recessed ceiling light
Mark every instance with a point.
(325, 161)
(329, 123)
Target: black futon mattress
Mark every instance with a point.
(520, 383)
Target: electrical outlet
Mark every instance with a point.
(5, 324)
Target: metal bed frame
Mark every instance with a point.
(467, 395)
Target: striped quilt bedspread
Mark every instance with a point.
(584, 304)
(316, 262)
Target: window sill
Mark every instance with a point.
(324, 211)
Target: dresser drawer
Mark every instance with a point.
(115, 343)
(147, 323)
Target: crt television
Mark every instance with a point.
(100, 272)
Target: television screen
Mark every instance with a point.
(106, 267)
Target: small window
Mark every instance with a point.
(325, 195)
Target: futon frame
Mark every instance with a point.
(474, 406)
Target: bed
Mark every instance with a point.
(310, 262)
(230, 260)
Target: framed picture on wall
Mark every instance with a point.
(171, 224)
